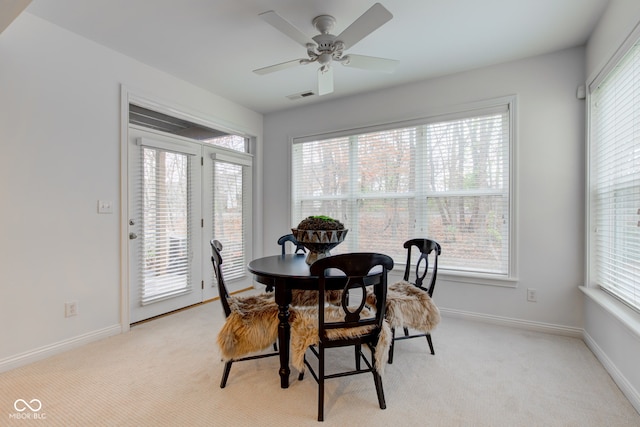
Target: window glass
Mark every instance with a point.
(447, 180)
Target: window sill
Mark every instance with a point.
(471, 278)
(478, 279)
(627, 316)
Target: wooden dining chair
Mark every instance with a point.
(350, 324)
(409, 304)
(251, 323)
(282, 241)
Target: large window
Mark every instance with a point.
(614, 180)
(445, 178)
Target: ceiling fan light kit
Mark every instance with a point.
(325, 48)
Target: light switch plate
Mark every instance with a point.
(105, 206)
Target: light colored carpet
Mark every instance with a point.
(167, 373)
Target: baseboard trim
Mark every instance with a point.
(56, 348)
(548, 328)
(625, 386)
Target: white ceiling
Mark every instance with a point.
(215, 44)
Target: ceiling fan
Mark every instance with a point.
(325, 48)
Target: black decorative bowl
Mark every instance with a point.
(319, 242)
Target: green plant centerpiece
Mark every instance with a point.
(319, 234)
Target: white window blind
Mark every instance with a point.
(615, 180)
(441, 178)
(165, 208)
(229, 200)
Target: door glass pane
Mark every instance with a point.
(166, 227)
(228, 219)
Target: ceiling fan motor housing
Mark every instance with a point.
(325, 40)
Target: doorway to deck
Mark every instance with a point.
(186, 185)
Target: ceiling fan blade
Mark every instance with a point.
(367, 23)
(277, 67)
(286, 27)
(371, 63)
(325, 80)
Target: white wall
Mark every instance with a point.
(59, 154)
(612, 330)
(619, 19)
(549, 171)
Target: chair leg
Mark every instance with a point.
(320, 383)
(225, 374)
(393, 340)
(301, 374)
(377, 379)
(358, 350)
(430, 343)
(406, 332)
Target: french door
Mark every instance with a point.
(182, 194)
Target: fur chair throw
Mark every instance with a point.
(409, 307)
(310, 298)
(252, 326)
(304, 333)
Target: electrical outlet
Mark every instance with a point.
(532, 295)
(70, 308)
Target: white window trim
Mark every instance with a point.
(440, 114)
(137, 97)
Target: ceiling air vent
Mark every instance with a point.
(301, 95)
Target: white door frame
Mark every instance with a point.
(128, 96)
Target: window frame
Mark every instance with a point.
(591, 220)
(468, 110)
